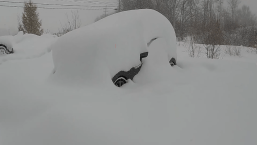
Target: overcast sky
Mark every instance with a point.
(54, 19)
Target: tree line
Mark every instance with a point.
(207, 21)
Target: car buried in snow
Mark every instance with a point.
(5, 45)
(119, 41)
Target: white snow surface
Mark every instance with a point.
(111, 44)
(27, 46)
(198, 102)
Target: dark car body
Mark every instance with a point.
(5, 50)
(125, 75)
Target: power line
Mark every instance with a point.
(79, 8)
(62, 6)
(67, 5)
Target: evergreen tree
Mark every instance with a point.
(30, 19)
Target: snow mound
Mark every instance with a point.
(156, 66)
(114, 42)
(27, 46)
(7, 41)
(208, 102)
(151, 23)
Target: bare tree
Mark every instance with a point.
(144, 4)
(245, 16)
(193, 49)
(101, 17)
(213, 39)
(73, 22)
(20, 27)
(233, 50)
(127, 5)
(173, 6)
(220, 8)
(233, 5)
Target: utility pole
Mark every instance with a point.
(119, 5)
(105, 11)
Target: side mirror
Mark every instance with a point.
(143, 55)
(173, 61)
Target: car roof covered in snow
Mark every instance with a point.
(7, 41)
(115, 41)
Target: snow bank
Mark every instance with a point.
(198, 102)
(208, 102)
(23, 37)
(115, 42)
(156, 66)
(7, 41)
(28, 46)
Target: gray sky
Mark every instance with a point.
(54, 19)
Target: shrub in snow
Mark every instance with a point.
(72, 23)
(193, 49)
(97, 52)
(212, 40)
(233, 50)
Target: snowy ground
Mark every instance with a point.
(198, 102)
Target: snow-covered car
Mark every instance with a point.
(6, 45)
(118, 42)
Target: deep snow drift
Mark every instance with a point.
(156, 66)
(5, 45)
(110, 45)
(198, 102)
(27, 46)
